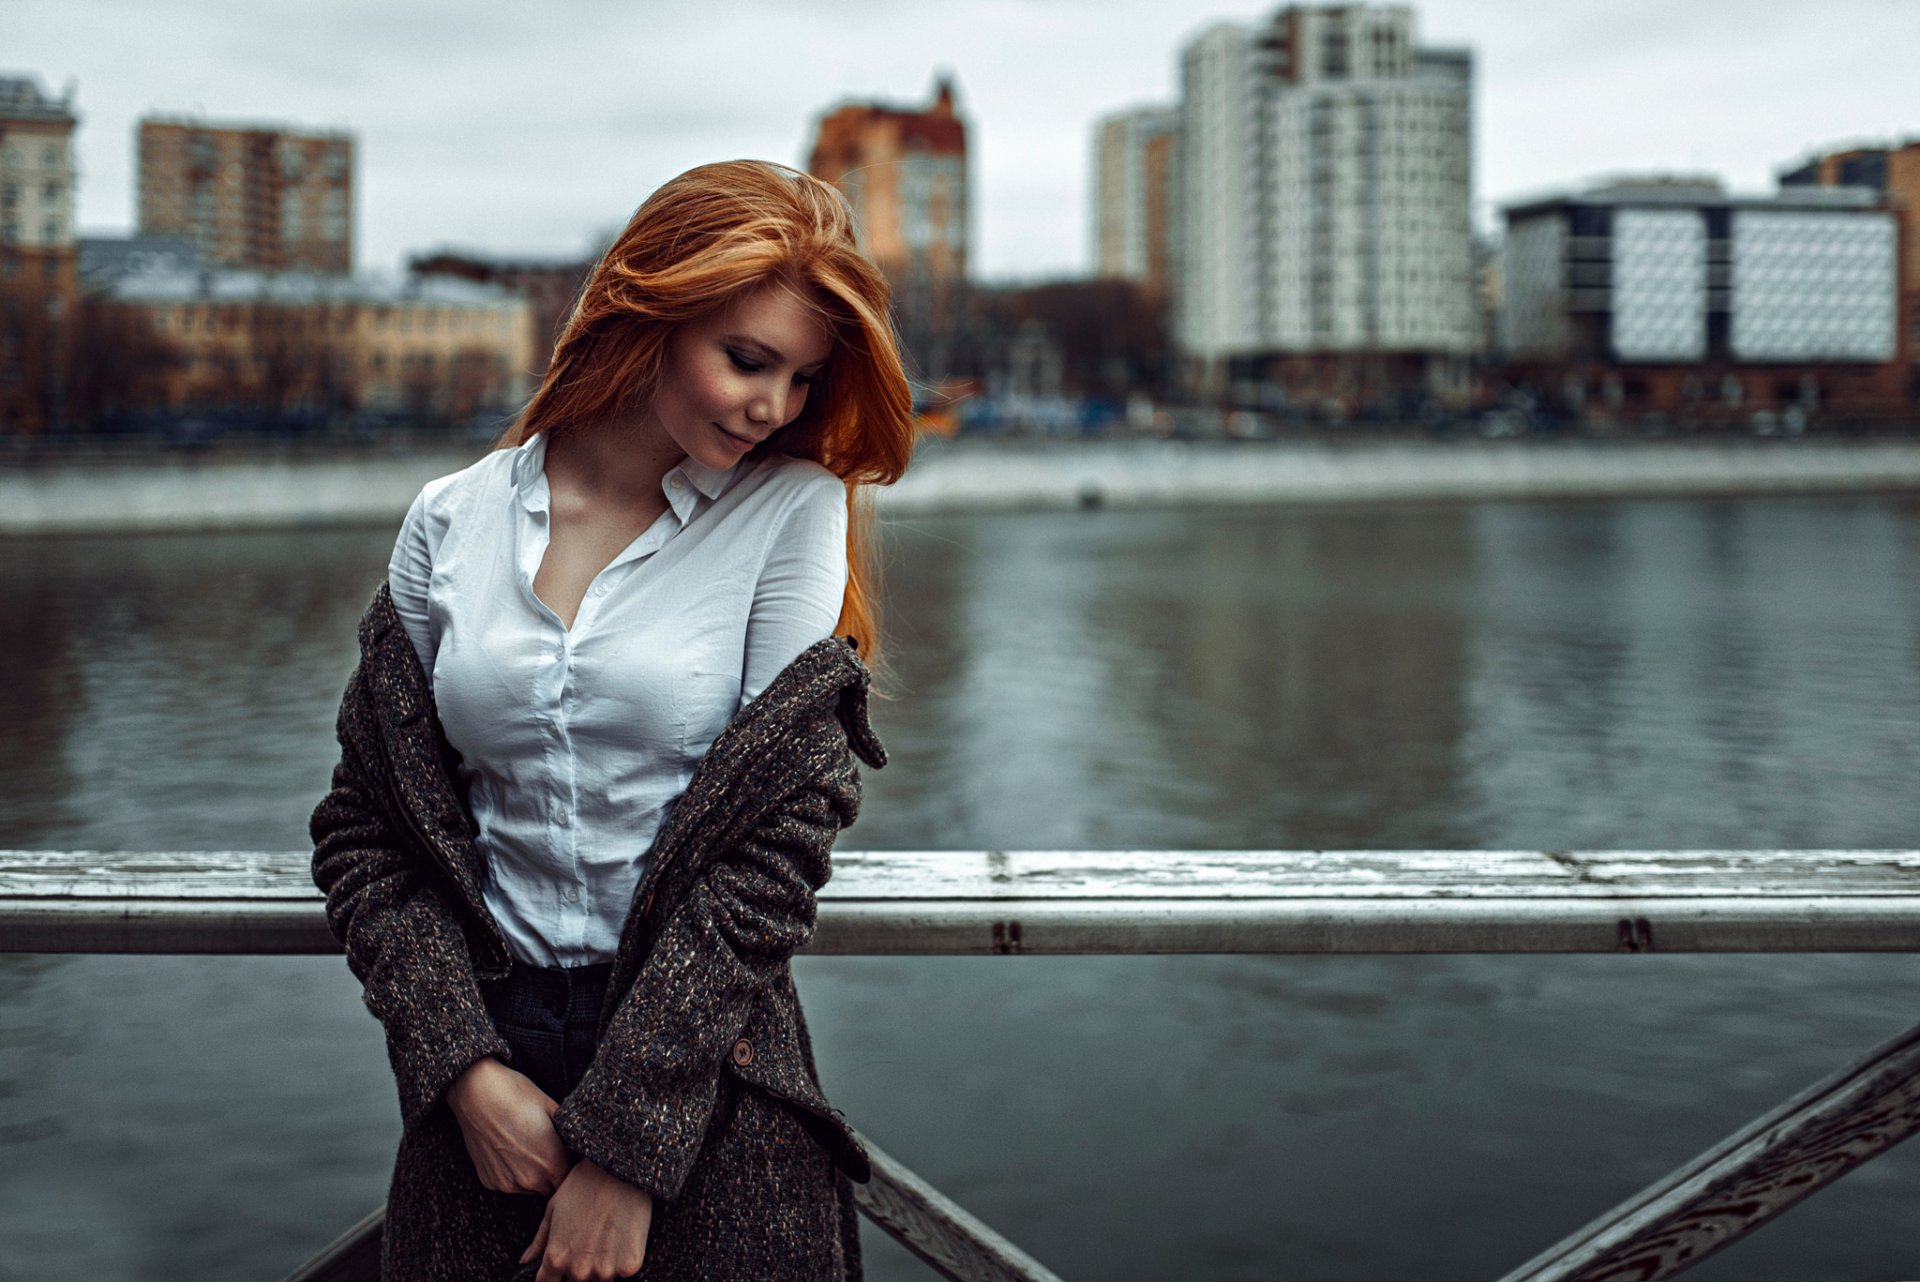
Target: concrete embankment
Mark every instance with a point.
(213, 491)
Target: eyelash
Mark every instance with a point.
(746, 365)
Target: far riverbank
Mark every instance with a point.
(265, 489)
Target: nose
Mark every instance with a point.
(769, 405)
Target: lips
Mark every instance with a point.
(735, 439)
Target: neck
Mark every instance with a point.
(617, 460)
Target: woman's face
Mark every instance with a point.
(740, 374)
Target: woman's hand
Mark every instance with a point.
(595, 1229)
(507, 1123)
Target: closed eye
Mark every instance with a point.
(744, 363)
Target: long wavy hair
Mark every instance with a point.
(699, 242)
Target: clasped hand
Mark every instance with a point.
(595, 1226)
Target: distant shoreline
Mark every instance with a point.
(306, 487)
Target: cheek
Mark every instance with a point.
(797, 402)
(712, 392)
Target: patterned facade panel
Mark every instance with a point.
(1813, 286)
(1659, 285)
(1533, 309)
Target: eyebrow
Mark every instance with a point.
(768, 350)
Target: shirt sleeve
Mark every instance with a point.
(797, 599)
(408, 574)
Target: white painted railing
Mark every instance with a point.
(1039, 902)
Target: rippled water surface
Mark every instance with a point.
(1621, 674)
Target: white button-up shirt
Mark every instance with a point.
(574, 742)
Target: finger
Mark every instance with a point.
(539, 1239)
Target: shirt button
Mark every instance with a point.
(601, 590)
(675, 482)
(563, 816)
(571, 894)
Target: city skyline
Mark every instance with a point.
(478, 127)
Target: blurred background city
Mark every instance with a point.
(1471, 425)
(1262, 225)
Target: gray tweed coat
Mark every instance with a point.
(703, 1090)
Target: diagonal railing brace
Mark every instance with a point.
(1749, 1178)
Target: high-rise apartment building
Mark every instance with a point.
(37, 254)
(905, 173)
(1134, 158)
(1326, 192)
(1674, 296)
(251, 197)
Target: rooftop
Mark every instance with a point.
(171, 285)
(22, 98)
(247, 127)
(1694, 190)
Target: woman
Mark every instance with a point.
(595, 753)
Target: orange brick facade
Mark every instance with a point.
(249, 197)
(905, 174)
(38, 283)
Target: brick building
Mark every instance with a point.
(311, 348)
(250, 197)
(1134, 168)
(37, 255)
(905, 173)
(1672, 297)
(550, 286)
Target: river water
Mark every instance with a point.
(1663, 674)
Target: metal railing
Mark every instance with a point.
(1051, 902)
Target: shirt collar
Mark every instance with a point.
(530, 466)
(710, 481)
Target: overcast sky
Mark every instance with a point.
(520, 127)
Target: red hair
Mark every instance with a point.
(702, 240)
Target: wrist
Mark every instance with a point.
(472, 1078)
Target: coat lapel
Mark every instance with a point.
(420, 764)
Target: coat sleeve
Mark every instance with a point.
(402, 937)
(642, 1109)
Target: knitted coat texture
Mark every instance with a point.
(703, 1090)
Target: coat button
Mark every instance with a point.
(743, 1052)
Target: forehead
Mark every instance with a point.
(774, 315)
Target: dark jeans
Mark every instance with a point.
(548, 1016)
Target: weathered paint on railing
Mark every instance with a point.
(1039, 902)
